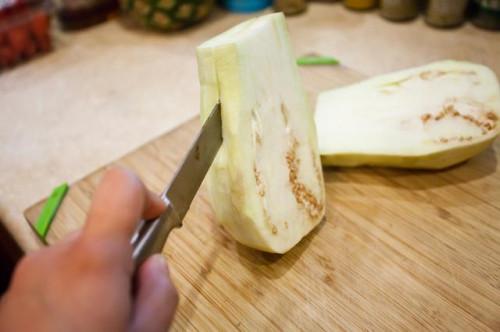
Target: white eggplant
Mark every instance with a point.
(266, 184)
(432, 116)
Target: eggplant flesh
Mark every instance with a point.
(429, 117)
(266, 183)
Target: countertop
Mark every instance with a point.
(106, 90)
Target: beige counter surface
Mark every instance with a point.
(106, 90)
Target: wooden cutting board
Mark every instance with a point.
(398, 250)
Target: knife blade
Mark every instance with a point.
(190, 175)
(152, 234)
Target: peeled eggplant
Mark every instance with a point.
(433, 117)
(266, 184)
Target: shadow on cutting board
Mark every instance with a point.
(270, 265)
(476, 168)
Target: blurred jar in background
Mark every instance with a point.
(486, 14)
(245, 6)
(399, 10)
(445, 13)
(360, 4)
(167, 15)
(290, 7)
(79, 14)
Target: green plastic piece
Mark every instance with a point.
(49, 210)
(314, 60)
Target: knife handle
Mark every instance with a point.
(151, 235)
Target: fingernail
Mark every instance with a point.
(160, 263)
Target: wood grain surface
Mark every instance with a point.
(109, 89)
(397, 250)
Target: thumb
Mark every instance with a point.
(156, 298)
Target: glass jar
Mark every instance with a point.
(166, 15)
(487, 14)
(445, 13)
(290, 7)
(360, 4)
(245, 6)
(79, 14)
(399, 10)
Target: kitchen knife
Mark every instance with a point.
(152, 234)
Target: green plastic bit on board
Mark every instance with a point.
(314, 60)
(49, 210)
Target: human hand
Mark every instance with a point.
(85, 282)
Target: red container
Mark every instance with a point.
(24, 30)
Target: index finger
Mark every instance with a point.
(119, 203)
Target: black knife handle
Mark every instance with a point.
(152, 234)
